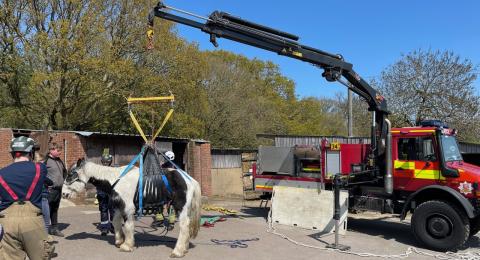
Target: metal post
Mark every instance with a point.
(337, 183)
(350, 114)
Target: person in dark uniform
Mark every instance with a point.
(57, 173)
(159, 219)
(20, 207)
(106, 210)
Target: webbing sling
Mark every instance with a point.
(139, 158)
(30, 190)
(140, 188)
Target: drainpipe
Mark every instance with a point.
(65, 152)
(388, 159)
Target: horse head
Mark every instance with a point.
(76, 180)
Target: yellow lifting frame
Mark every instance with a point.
(166, 99)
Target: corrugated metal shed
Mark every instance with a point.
(469, 148)
(222, 161)
(227, 158)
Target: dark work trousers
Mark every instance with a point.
(54, 197)
(106, 211)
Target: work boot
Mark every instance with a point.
(55, 232)
(105, 228)
(158, 220)
(171, 226)
(104, 232)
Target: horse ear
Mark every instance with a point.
(80, 161)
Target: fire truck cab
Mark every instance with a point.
(432, 181)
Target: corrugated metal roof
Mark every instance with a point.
(88, 134)
(292, 140)
(285, 141)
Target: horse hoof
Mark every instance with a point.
(125, 248)
(118, 243)
(176, 255)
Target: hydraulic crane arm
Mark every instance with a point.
(224, 25)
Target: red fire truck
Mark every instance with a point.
(430, 179)
(416, 170)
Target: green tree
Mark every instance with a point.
(245, 97)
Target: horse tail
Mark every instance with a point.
(195, 209)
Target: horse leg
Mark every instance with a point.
(129, 226)
(183, 241)
(117, 225)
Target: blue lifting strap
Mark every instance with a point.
(167, 184)
(140, 188)
(129, 166)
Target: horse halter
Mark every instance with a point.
(73, 175)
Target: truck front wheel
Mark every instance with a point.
(440, 225)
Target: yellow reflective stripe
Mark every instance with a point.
(395, 131)
(151, 99)
(137, 125)
(169, 114)
(310, 169)
(428, 174)
(422, 131)
(263, 187)
(404, 165)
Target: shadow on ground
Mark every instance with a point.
(381, 227)
(63, 226)
(142, 239)
(255, 212)
(397, 231)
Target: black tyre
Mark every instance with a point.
(440, 225)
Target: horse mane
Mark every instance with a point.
(100, 172)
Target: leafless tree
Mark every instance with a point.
(433, 85)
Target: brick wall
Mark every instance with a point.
(206, 168)
(199, 165)
(6, 136)
(75, 146)
(193, 164)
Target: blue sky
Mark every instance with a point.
(369, 34)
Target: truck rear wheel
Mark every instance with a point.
(440, 225)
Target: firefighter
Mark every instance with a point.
(106, 211)
(20, 207)
(159, 219)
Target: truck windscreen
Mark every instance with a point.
(450, 149)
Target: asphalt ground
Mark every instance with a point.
(239, 237)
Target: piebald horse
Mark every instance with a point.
(184, 195)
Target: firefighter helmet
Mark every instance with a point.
(22, 144)
(170, 155)
(107, 159)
